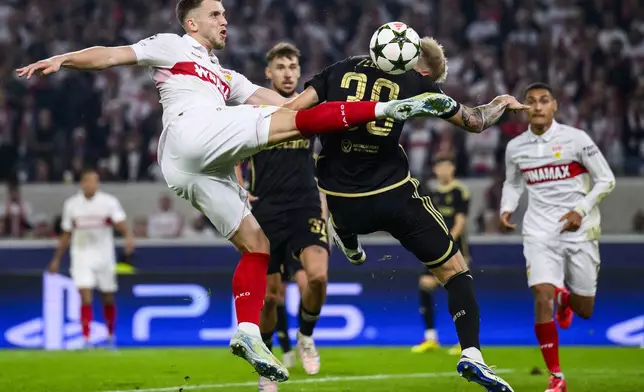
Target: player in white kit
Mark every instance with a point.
(562, 224)
(203, 138)
(88, 222)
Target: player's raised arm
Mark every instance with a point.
(307, 99)
(599, 170)
(479, 118)
(433, 65)
(91, 59)
(156, 51)
(265, 96)
(512, 189)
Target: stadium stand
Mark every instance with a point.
(591, 51)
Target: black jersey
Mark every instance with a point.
(282, 177)
(450, 200)
(367, 159)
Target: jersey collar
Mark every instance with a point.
(193, 42)
(196, 45)
(547, 135)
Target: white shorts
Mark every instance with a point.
(92, 274)
(198, 153)
(556, 262)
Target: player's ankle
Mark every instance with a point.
(249, 328)
(473, 353)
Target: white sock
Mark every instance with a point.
(473, 353)
(380, 109)
(430, 334)
(250, 329)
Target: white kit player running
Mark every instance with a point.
(203, 138)
(88, 220)
(562, 224)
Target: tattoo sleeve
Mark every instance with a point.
(481, 117)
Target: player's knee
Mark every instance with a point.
(585, 312)
(107, 298)
(256, 241)
(86, 296)
(452, 267)
(583, 306)
(318, 279)
(250, 237)
(271, 300)
(272, 297)
(544, 295)
(427, 283)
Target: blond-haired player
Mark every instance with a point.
(365, 176)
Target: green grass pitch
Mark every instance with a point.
(343, 369)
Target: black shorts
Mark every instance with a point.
(290, 232)
(463, 247)
(404, 212)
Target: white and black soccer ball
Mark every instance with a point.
(395, 48)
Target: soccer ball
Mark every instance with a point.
(395, 48)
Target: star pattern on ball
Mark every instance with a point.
(377, 50)
(399, 64)
(400, 37)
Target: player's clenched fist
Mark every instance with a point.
(45, 67)
(505, 224)
(572, 221)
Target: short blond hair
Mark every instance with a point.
(434, 57)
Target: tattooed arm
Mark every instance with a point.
(477, 119)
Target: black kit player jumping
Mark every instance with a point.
(364, 173)
(288, 207)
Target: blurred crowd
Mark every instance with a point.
(591, 52)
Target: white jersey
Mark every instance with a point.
(91, 223)
(556, 167)
(188, 77)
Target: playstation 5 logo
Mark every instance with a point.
(59, 327)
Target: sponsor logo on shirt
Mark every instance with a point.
(190, 68)
(549, 173)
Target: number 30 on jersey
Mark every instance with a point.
(360, 80)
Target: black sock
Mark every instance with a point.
(427, 307)
(282, 329)
(268, 340)
(307, 321)
(464, 309)
(349, 240)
